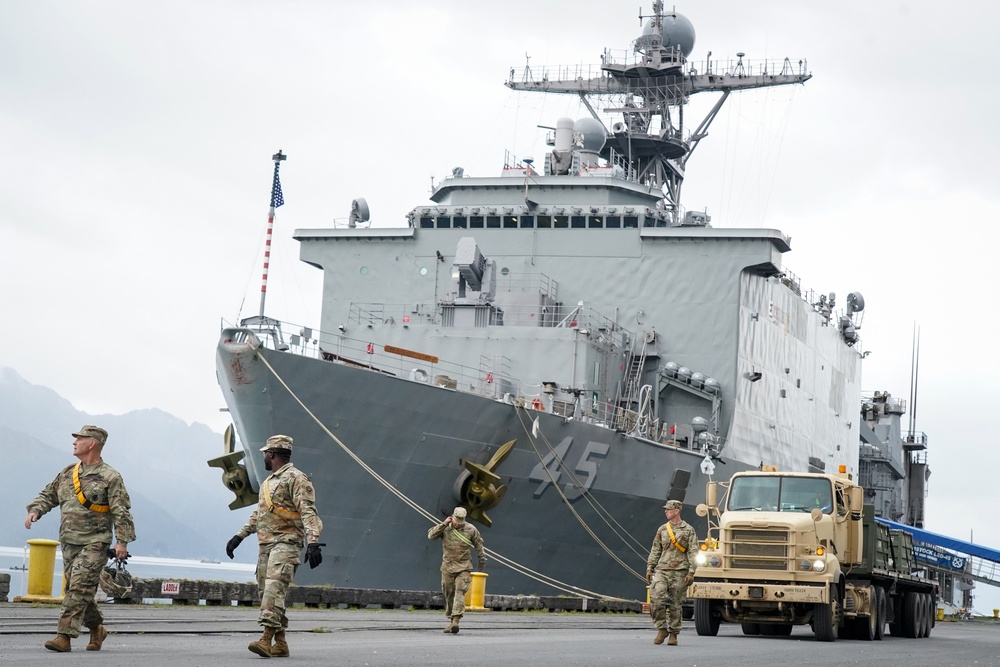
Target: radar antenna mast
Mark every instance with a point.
(649, 87)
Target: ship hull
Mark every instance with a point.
(417, 437)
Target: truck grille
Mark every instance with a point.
(751, 549)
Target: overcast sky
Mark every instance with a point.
(136, 176)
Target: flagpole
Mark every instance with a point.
(276, 200)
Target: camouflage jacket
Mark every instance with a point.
(457, 546)
(101, 485)
(292, 517)
(665, 556)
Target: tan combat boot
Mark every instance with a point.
(97, 637)
(280, 647)
(262, 646)
(660, 636)
(60, 644)
(673, 639)
(453, 628)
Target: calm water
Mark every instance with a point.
(142, 567)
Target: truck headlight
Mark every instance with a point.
(701, 558)
(819, 565)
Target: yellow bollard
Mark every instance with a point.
(41, 568)
(996, 613)
(645, 606)
(940, 613)
(475, 597)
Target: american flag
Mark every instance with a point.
(276, 198)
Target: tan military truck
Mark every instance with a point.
(788, 549)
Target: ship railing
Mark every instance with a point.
(491, 378)
(742, 66)
(738, 66)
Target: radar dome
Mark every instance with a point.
(593, 133)
(677, 32)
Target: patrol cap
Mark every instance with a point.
(673, 505)
(95, 432)
(459, 513)
(278, 442)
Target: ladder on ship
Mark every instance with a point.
(630, 396)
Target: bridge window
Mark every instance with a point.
(544, 221)
(560, 221)
(493, 222)
(443, 222)
(476, 222)
(578, 221)
(527, 221)
(510, 222)
(613, 222)
(595, 221)
(631, 221)
(426, 223)
(460, 221)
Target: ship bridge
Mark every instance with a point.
(955, 562)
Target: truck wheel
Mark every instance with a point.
(911, 614)
(928, 615)
(880, 608)
(750, 628)
(826, 617)
(932, 614)
(706, 621)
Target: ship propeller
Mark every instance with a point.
(234, 475)
(478, 488)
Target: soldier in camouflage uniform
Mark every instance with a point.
(284, 519)
(670, 570)
(457, 539)
(92, 500)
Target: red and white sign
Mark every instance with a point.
(170, 588)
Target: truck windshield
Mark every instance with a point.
(780, 494)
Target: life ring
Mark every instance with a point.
(536, 404)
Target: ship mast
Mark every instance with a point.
(276, 200)
(649, 87)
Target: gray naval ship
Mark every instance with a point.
(559, 348)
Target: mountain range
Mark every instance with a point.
(179, 504)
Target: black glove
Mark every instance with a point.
(313, 555)
(232, 544)
(112, 554)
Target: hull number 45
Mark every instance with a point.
(579, 478)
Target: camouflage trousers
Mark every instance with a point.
(276, 565)
(453, 586)
(82, 565)
(666, 595)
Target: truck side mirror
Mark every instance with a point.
(701, 509)
(856, 499)
(711, 493)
